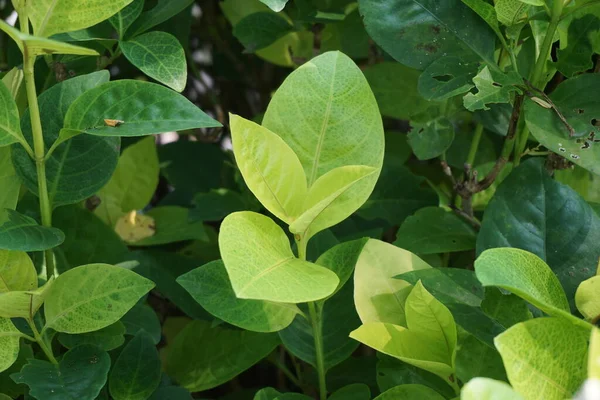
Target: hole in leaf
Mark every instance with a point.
(443, 78)
(580, 111)
(496, 84)
(595, 122)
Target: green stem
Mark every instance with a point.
(286, 371)
(40, 341)
(475, 144)
(315, 318)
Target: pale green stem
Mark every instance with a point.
(475, 144)
(40, 340)
(315, 318)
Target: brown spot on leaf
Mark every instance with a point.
(436, 29)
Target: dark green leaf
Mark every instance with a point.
(142, 318)
(171, 393)
(475, 358)
(475, 322)
(356, 391)
(124, 18)
(172, 225)
(216, 205)
(162, 12)
(20, 232)
(9, 386)
(446, 77)
(432, 138)
(507, 309)
(261, 29)
(107, 339)
(577, 56)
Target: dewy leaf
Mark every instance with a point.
(10, 129)
(445, 78)
(162, 11)
(418, 32)
(275, 5)
(578, 101)
(230, 352)
(433, 230)
(22, 233)
(410, 392)
(432, 138)
(145, 109)
(377, 295)
(122, 20)
(16, 271)
(261, 265)
(136, 373)
(91, 297)
(160, 56)
(80, 375)
(577, 56)
(209, 285)
(326, 112)
(108, 338)
(533, 212)
(49, 17)
(79, 167)
(550, 349)
(428, 342)
(488, 389)
(262, 158)
(23, 304)
(587, 298)
(10, 337)
(260, 30)
(10, 184)
(492, 87)
(511, 12)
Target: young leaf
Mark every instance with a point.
(22, 233)
(260, 30)
(231, 352)
(492, 87)
(91, 297)
(10, 128)
(122, 20)
(377, 295)
(446, 77)
(577, 56)
(145, 109)
(162, 11)
(410, 392)
(160, 56)
(432, 138)
(261, 157)
(10, 337)
(23, 304)
(10, 184)
(80, 375)
(261, 265)
(587, 299)
(511, 12)
(209, 285)
(488, 389)
(16, 271)
(79, 167)
(433, 30)
(428, 342)
(551, 349)
(136, 373)
(108, 338)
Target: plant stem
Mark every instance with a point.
(285, 371)
(475, 144)
(38, 338)
(315, 318)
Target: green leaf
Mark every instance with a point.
(10, 337)
(261, 157)
(587, 299)
(160, 56)
(16, 271)
(162, 11)
(577, 101)
(395, 88)
(171, 393)
(492, 87)
(209, 285)
(487, 12)
(22, 233)
(511, 12)
(172, 225)
(428, 342)
(410, 392)
(146, 109)
(577, 56)
(551, 349)
(357, 391)
(55, 16)
(267, 394)
(231, 352)
(23, 304)
(10, 184)
(594, 355)
(217, 204)
(433, 230)
(488, 389)
(445, 78)
(79, 167)
(133, 183)
(418, 32)
(91, 297)
(9, 386)
(260, 30)
(275, 5)
(122, 20)
(261, 265)
(80, 375)
(142, 318)
(377, 295)
(342, 259)
(475, 358)
(535, 213)
(108, 338)
(507, 309)
(136, 373)
(10, 129)
(431, 139)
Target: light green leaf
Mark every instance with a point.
(10, 128)
(22, 233)
(16, 272)
(261, 265)
(428, 342)
(431, 139)
(377, 295)
(488, 389)
(133, 183)
(587, 298)
(231, 352)
(418, 32)
(434, 230)
(49, 17)
(334, 120)
(145, 109)
(108, 338)
(160, 56)
(395, 88)
(492, 87)
(446, 77)
(10, 337)
(577, 100)
(122, 20)
(261, 157)
(260, 30)
(172, 225)
(356, 391)
(410, 392)
(162, 11)
(594, 355)
(577, 56)
(511, 12)
(552, 350)
(80, 375)
(77, 168)
(275, 5)
(91, 297)
(23, 304)
(209, 285)
(10, 184)
(136, 373)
